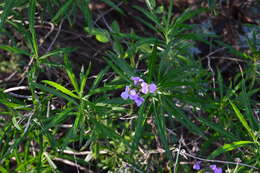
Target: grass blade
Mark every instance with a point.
(228, 147)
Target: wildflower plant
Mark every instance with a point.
(79, 118)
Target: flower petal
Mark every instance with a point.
(139, 101)
(145, 87)
(152, 88)
(136, 80)
(196, 166)
(132, 94)
(124, 95)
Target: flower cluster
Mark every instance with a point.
(142, 87)
(214, 168)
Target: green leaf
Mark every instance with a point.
(142, 115)
(60, 88)
(151, 4)
(188, 14)
(70, 73)
(242, 120)
(14, 105)
(102, 37)
(217, 128)
(15, 50)
(115, 26)
(228, 147)
(113, 5)
(3, 170)
(149, 15)
(99, 78)
(100, 34)
(151, 64)
(84, 7)
(83, 79)
(105, 89)
(118, 70)
(58, 118)
(51, 163)
(245, 101)
(62, 11)
(57, 51)
(161, 127)
(7, 9)
(32, 9)
(33, 39)
(15, 123)
(54, 92)
(107, 132)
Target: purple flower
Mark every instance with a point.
(133, 95)
(196, 165)
(152, 88)
(139, 101)
(213, 167)
(148, 88)
(137, 80)
(125, 94)
(216, 169)
(145, 87)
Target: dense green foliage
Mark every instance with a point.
(78, 121)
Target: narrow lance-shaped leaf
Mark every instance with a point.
(62, 11)
(15, 50)
(161, 128)
(70, 73)
(242, 120)
(142, 115)
(83, 79)
(54, 92)
(60, 88)
(33, 40)
(228, 147)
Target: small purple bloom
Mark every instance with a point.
(216, 169)
(132, 94)
(125, 94)
(139, 101)
(145, 87)
(137, 80)
(213, 167)
(196, 166)
(152, 88)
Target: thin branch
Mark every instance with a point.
(55, 38)
(15, 89)
(216, 161)
(70, 163)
